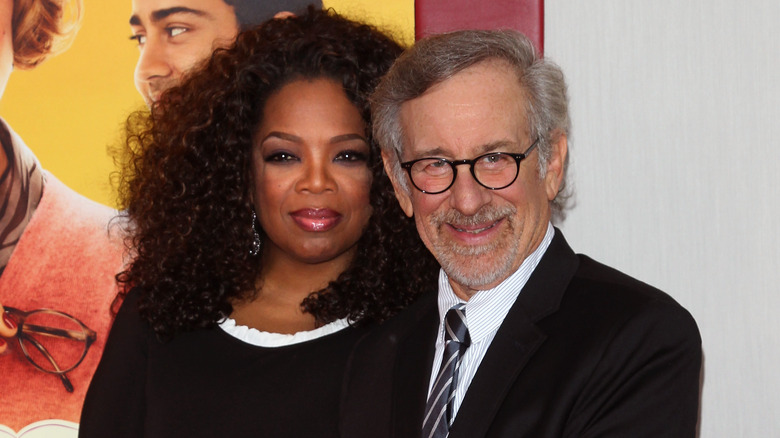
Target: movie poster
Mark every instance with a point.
(60, 119)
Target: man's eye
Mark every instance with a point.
(139, 39)
(495, 162)
(352, 157)
(174, 31)
(434, 167)
(280, 157)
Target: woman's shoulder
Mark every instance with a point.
(128, 319)
(128, 301)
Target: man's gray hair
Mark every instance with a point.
(251, 13)
(435, 59)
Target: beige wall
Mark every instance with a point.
(675, 161)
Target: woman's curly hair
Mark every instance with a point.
(186, 182)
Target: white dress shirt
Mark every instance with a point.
(485, 312)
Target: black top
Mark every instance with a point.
(208, 383)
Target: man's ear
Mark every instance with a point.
(556, 166)
(401, 194)
(283, 14)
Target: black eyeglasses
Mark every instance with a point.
(52, 341)
(494, 171)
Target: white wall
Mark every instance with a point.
(676, 167)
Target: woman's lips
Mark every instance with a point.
(316, 219)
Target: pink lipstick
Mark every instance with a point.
(316, 219)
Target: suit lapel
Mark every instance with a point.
(506, 357)
(516, 341)
(414, 360)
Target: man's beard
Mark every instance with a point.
(477, 265)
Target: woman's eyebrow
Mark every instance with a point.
(282, 135)
(347, 137)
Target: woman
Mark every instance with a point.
(266, 237)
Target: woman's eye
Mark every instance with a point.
(351, 157)
(280, 157)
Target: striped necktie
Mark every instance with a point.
(438, 411)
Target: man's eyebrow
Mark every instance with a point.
(497, 146)
(494, 146)
(162, 14)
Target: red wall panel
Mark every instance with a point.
(436, 16)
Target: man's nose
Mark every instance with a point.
(153, 61)
(467, 195)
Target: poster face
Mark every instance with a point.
(71, 109)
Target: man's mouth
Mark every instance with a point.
(474, 230)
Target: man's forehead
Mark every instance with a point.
(481, 108)
(157, 10)
(493, 69)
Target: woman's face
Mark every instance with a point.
(310, 167)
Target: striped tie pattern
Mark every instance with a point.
(438, 411)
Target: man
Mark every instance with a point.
(524, 338)
(173, 36)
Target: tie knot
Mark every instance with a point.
(455, 325)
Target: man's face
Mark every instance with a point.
(479, 236)
(175, 35)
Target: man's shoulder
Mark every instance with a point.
(86, 229)
(611, 295)
(600, 281)
(59, 198)
(580, 277)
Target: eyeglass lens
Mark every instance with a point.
(492, 170)
(53, 342)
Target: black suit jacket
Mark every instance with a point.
(585, 351)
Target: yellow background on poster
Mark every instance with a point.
(70, 110)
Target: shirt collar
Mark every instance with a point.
(486, 309)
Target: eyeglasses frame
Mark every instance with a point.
(88, 336)
(407, 165)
